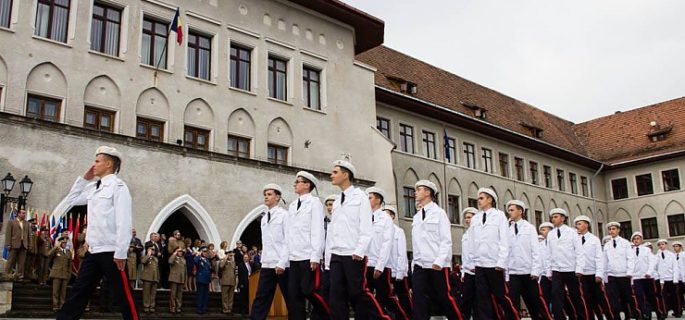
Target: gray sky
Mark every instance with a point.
(577, 59)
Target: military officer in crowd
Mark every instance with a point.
(204, 271)
(432, 248)
(44, 247)
(593, 270)
(274, 259)
(17, 243)
(32, 250)
(227, 281)
(177, 279)
(524, 265)
(150, 277)
(60, 273)
(378, 269)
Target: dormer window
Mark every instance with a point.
(659, 133)
(535, 131)
(404, 85)
(478, 111)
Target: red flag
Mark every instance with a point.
(43, 220)
(78, 226)
(71, 224)
(177, 26)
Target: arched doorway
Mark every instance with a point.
(179, 221)
(249, 229)
(186, 208)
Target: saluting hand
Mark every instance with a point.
(90, 173)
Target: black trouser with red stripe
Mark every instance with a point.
(266, 289)
(93, 267)
(524, 286)
(669, 292)
(402, 290)
(348, 284)
(468, 294)
(595, 297)
(645, 293)
(546, 287)
(433, 285)
(385, 295)
(492, 296)
(622, 298)
(569, 281)
(303, 283)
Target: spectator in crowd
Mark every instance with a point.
(227, 281)
(244, 271)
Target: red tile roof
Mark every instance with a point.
(612, 139)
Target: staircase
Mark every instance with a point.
(34, 301)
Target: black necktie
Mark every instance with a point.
(637, 251)
(516, 228)
(299, 203)
(583, 239)
(484, 217)
(423, 214)
(268, 216)
(558, 233)
(677, 256)
(97, 184)
(663, 256)
(342, 198)
(614, 243)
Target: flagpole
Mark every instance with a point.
(166, 44)
(445, 150)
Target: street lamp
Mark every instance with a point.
(8, 183)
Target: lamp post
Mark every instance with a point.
(8, 183)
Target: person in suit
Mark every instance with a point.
(177, 278)
(31, 251)
(227, 282)
(150, 276)
(244, 271)
(17, 244)
(44, 247)
(203, 277)
(60, 272)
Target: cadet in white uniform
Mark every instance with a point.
(349, 236)
(593, 271)
(305, 238)
(546, 274)
(669, 275)
(643, 278)
(432, 248)
(274, 261)
(468, 288)
(109, 233)
(620, 262)
(400, 265)
(567, 264)
(680, 259)
(378, 273)
(489, 239)
(524, 264)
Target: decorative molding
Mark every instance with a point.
(161, 4)
(279, 43)
(203, 17)
(243, 31)
(313, 55)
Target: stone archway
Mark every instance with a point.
(245, 223)
(194, 212)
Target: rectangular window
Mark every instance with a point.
(278, 83)
(538, 217)
(650, 229)
(600, 230)
(453, 208)
(409, 202)
(43, 108)
(199, 55)
(196, 138)
(383, 125)
(561, 181)
(518, 164)
(52, 19)
(451, 150)
(676, 225)
(547, 172)
(504, 165)
(473, 203)
(239, 146)
(241, 59)
(534, 176)
(98, 119)
(487, 160)
(406, 138)
(584, 187)
(469, 155)
(151, 130)
(626, 229)
(644, 184)
(311, 88)
(155, 36)
(428, 144)
(5, 13)
(574, 182)
(105, 27)
(619, 188)
(277, 154)
(671, 180)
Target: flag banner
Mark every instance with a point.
(177, 26)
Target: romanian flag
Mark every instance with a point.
(177, 27)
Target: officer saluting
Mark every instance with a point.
(109, 233)
(432, 245)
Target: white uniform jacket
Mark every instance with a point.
(592, 254)
(382, 238)
(565, 250)
(304, 229)
(524, 249)
(490, 240)
(619, 258)
(431, 237)
(109, 214)
(350, 229)
(274, 244)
